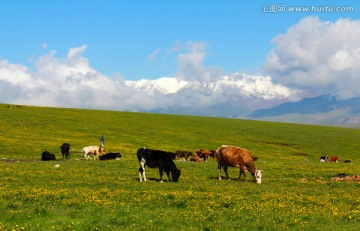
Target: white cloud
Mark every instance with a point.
(319, 56)
(190, 63)
(66, 82)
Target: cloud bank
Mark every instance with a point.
(71, 82)
(313, 55)
(65, 82)
(322, 57)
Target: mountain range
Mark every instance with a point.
(246, 96)
(322, 110)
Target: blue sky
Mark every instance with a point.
(134, 37)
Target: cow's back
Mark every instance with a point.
(90, 149)
(65, 147)
(152, 157)
(232, 156)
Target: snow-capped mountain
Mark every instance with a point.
(245, 96)
(238, 84)
(230, 96)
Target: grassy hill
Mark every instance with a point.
(296, 193)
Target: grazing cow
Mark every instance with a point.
(233, 156)
(47, 156)
(203, 153)
(334, 159)
(160, 159)
(96, 150)
(184, 154)
(65, 150)
(110, 156)
(324, 158)
(196, 158)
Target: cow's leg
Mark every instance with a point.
(168, 174)
(219, 171)
(141, 174)
(86, 156)
(161, 170)
(242, 171)
(142, 170)
(226, 171)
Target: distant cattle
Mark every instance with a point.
(96, 150)
(65, 150)
(203, 153)
(185, 154)
(196, 158)
(345, 177)
(212, 153)
(334, 159)
(172, 154)
(110, 156)
(231, 156)
(324, 158)
(157, 159)
(45, 156)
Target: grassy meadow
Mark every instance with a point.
(296, 194)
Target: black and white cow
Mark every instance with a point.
(47, 156)
(110, 156)
(324, 158)
(157, 159)
(65, 150)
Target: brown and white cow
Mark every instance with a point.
(232, 156)
(96, 150)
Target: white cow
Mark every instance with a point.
(96, 150)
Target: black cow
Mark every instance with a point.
(110, 156)
(184, 154)
(160, 159)
(47, 156)
(65, 150)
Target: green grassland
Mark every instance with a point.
(296, 194)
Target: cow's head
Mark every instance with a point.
(257, 176)
(175, 175)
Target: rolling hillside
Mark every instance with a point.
(26, 131)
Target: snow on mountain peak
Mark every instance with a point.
(242, 85)
(165, 85)
(256, 86)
